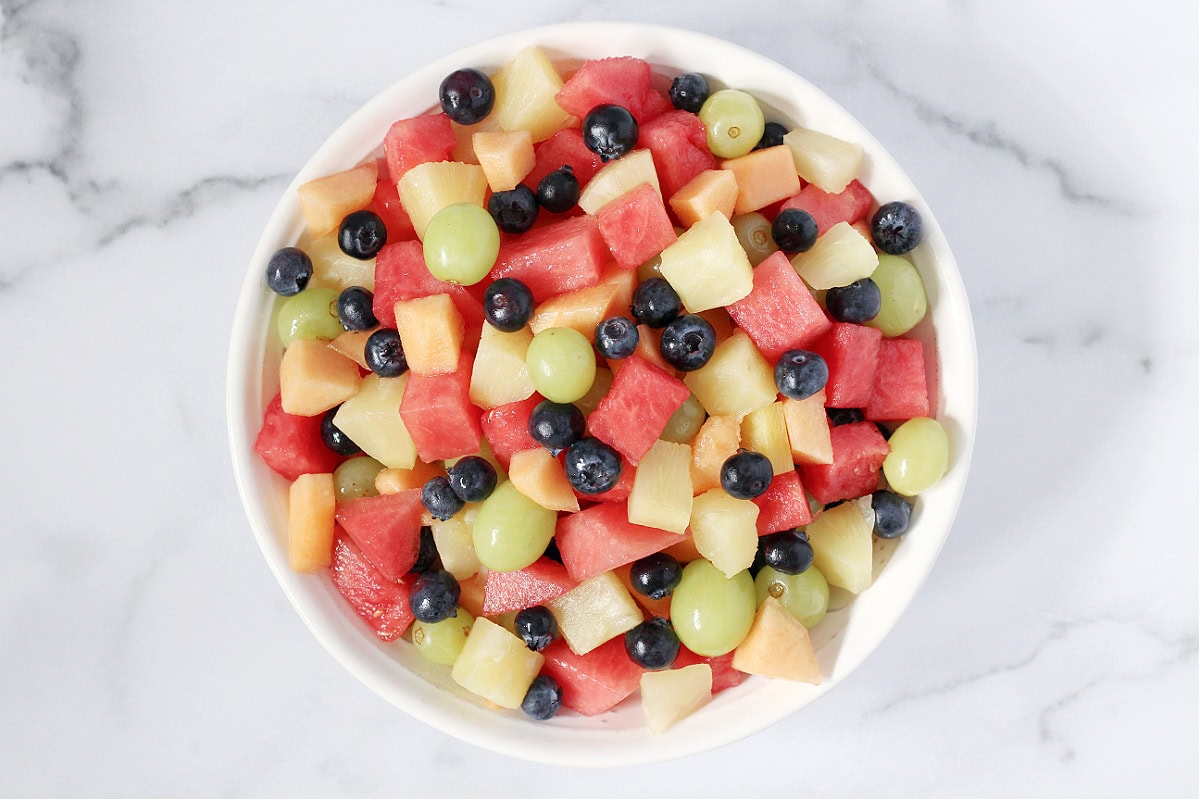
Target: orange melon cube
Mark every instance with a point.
(311, 504)
(722, 324)
(505, 156)
(684, 550)
(326, 201)
(538, 475)
(763, 177)
(581, 310)
(313, 378)
(431, 330)
(353, 345)
(719, 438)
(711, 190)
(808, 429)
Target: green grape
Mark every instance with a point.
(805, 595)
(600, 386)
(562, 364)
(754, 235)
(711, 613)
(461, 244)
(734, 122)
(902, 296)
(920, 451)
(312, 314)
(441, 642)
(685, 423)
(511, 531)
(355, 477)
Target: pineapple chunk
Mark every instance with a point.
(333, 269)
(672, 694)
(506, 157)
(600, 386)
(841, 541)
(353, 345)
(618, 177)
(707, 266)
(499, 374)
(594, 612)
(808, 429)
(525, 90)
(428, 188)
(455, 544)
(372, 421)
(778, 646)
(736, 380)
(763, 177)
(840, 257)
(540, 477)
(714, 190)
(431, 330)
(719, 438)
(313, 378)
(496, 665)
(662, 488)
(724, 530)
(765, 431)
(390, 481)
(325, 201)
(311, 503)
(581, 310)
(825, 160)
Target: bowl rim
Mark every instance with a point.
(735, 713)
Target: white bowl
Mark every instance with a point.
(844, 639)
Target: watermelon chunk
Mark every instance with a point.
(900, 391)
(438, 413)
(858, 452)
(601, 538)
(557, 258)
(401, 274)
(506, 428)
(539, 583)
(724, 676)
(386, 203)
(783, 505)
(849, 205)
(852, 353)
(679, 145)
(381, 603)
(623, 81)
(386, 528)
(780, 313)
(417, 140)
(564, 148)
(635, 226)
(634, 412)
(596, 681)
(291, 444)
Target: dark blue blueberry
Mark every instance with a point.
(427, 553)
(439, 499)
(855, 303)
(355, 310)
(592, 467)
(892, 513)
(794, 230)
(507, 304)
(655, 576)
(543, 699)
(655, 303)
(556, 426)
(434, 596)
(558, 191)
(514, 210)
(333, 437)
(652, 644)
(472, 478)
(617, 337)
(384, 353)
(467, 96)
(362, 235)
(844, 416)
(746, 474)
(773, 134)
(786, 551)
(896, 228)
(289, 271)
(689, 91)
(688, 342)
(610, 131)
(536, 626)
(800, 374)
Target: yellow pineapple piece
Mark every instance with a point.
(353, 345)
(581, 310)
(724, 530)
(311, 503)
(372, 421)
(842, 544)
(764, 431)
(431, 330)
(506, 157)
(525, 90)
(540, 477)
(669, 695)
(719, 438)
(456, 546)
(326, 201)
(840, 257)
(662, 488)
(808, 429)
(763, 177)
(496, 664)
(825, 160)
(778, 646)
(707, 266)
(333, 269)
(736, 380)
(714, 190)
(390, 480)
(595, 611)
(499, 374)
(617, 178)
(313, 378)
(428, 188)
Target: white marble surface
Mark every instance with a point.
(146, 648)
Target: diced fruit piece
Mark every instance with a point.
(780, 313)
(401, 274)
(724, 676)
(432, 332)
(557, 258)
(595, 682)
(764, 431)
(736, 380)
(712, 613)
(808, 429)
(352, 344)
(662, 488)
(685, 423)
(649, 349)
(386, 203)
(391, 480)
(712, 191)
(442, 642)
(684, 550)
(291, 444)
(840, 257)
(707, 266)
(655, 608)
(595, 611)
(564, 148)
(899, 391)
(417, 140)
(858, 453)
(622, 81)
(724, 530)
(635, 226)
(601, 538)
(825, 160)
(535, 585)
(310, 521)
(333, 269)
(842, 544)
(581, 310)
(326, 200)
(499, 376)
(428, 188)
(783, 506)
(634, 412)
(313, 378)
(778, 646)
(763, 177)
(679, 144)
(511, 531)
(718, 439)
(496, 665)
(506, 157)
(851, 352)
(456, 545)
(439, 416)
(540, 477)
(471, 594)
(850, 205)
(381, 603)
(920, 453)
(507, 428)
(525, 90)
(386, 528)
(902, 294)
(670, 695)
(617, 178)
(372, 421)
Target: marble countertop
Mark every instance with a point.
(146, 647)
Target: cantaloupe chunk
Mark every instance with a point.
(724, 530)
(525, 89)
(499, 374)
(496, 665)
(714, 190)
(719, 438)
(326, 201)
(472, 589)
(625, 281)
(736, 380)
(390, 480)
(618, 177)
(313, 378)
(353, 345)
(581, 310)
(764, 431)
(540, 477)
(595, 611)
(670, 695)
(506, 157)
(707, 266)
(778, 646)
(825, 160)
(464, 148)
(763, 177)
(721, 322)
(311, 504)
(840, 257)
(662, 488)
(428, 188)
(808, 429)
(372, 421)
(431, 330)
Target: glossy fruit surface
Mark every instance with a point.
(514, 210)
(556, 426)
(434, 596)
(896, 228)
(592, 467)
(507, 305)
(655, 303)
(558, 192)
(688, 342)
(652, 644)
(461, 244)
(355, 309)
(472, 478)
(617, 337)
(536, 626)
(856, 302)
(794, 230)
(610, 131)
(746, 474)
(467, 96)
(800, 374)
(439, 499)
(384, 353)
(362, 235)
(289, 271)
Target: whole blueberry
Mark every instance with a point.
(794, 230)
(514, 210)
(472, 478)
(617, 337)
(439, 499)
(592, 467)
(536, 626)
(289, 271)
(773, 134)
(355, 309)
(507, 304)
(610, 131)
(655, 303)
(652, 644)
(543, 699)
(362, 235)
(746, 474)
(787, 551)
(384, 353)
(856, 302)
(467, 96)
(688, 342)
(892, 514)
(655, 575)
(559, 191)
(689, 91)
(333, 437)
(800, 374)
(896, 228)
(434, 596)
(556, 426)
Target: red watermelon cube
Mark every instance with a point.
(386, 203)
(381, 603)
(780, 313)
(557, 258)
(539, 583)
(635, 226)
(623, 81)
(401, 274)
(852, 354)
(634, 412)
(783, 505)
(438, 413)
(506, 428)
(601, 538)
(858, 452)
(417, 140)
(386, 528)
(849, 205)
(679, 145)
(724, 676)
(564, 148)
(596, 681)
(900, 391)
(291, 444)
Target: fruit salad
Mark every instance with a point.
(593, 388)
